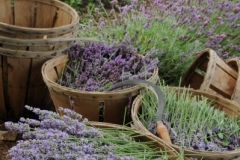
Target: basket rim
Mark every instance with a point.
(235, 94)
(38, 42)
(193, 152)
(67, 90)
(53, 30)
(188, 74)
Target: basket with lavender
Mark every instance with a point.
(77, 80)
(75, 138)
(203, 125)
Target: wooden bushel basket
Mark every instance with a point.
(234, 63)
(141, 137)
(87, 103)
(228, 106)
(211, 74)
(36, 19)
(31, 32)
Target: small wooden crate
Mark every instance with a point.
(211, 74)
(228, 106)
(87, 103)
(36, 19)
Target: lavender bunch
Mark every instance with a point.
(178, 29)
(95, 66)
(192, 122)
(71, 137)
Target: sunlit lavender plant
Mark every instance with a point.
(71, 137)
(179, 30)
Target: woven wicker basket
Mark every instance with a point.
(228, 106)
(36, 19)
(234, 63)
(140, 137)
(31, 32)
(87, 103)
(211, 74)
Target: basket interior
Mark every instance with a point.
(36, 13)
(222, 104)
(209, 73)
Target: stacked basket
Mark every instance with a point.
(31, 32)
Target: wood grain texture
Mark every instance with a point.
(24, 13)
(234, 63)
(18, 76)
(6, 12)
(3, 112)
(45, 15)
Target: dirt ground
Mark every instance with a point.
(7, 140)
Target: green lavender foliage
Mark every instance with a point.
(73, 3)
(192, 121)
(178, 30)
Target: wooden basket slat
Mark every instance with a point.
(10, 47)
(228, 106)
(209, 75)
(37, 35)
(45, 15)
(114, 111)
(62, 18)
(3, 113)
(234, 63)
(198, 80)
(228, 85)
(36, 91)
(42, 44)
(6, 12)
(30, 54)
(191, 71)
(223, 65)
(89, 109)
(18, 72)
(55, 97)
(203, 64)
(24, 13)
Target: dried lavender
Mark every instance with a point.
(192, 122)
(71, 137)
(95, 66)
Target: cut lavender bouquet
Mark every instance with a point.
(72, 137)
